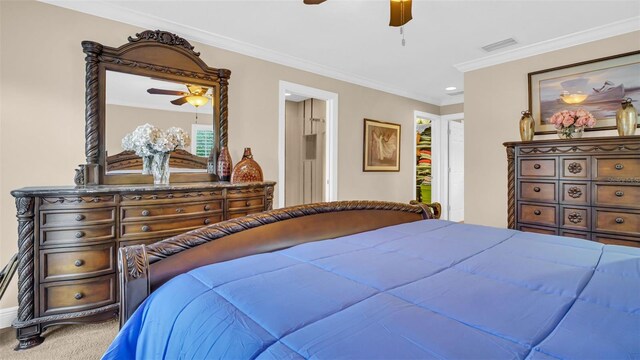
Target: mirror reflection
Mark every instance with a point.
(133, 101)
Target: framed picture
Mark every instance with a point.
(597, 86)
(381, 146)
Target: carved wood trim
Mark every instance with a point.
(180, 195)
(26, 240)
(178, 159)
(164, 37)
(134, 279)
(92, 102)
(66, 316)
(511, 187)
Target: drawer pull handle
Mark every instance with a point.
(537, 212)
(619, 193)
(536, 166)
(207, 221)
(574, 192)
(78, 296)
(78, 263)
(145, 213)
(574, 168)
(207, 208)
(79, 234)
(619, 220)
(80, 217)
(536, 189)
(248, 203)
(619, 166)
(575, 218)
(146, 228)
(179, 210)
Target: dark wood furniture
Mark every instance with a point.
(69, 236)
(128, 160)
(586, 188)
(146, 267)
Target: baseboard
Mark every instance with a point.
(7, 316)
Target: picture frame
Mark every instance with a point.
(603, 83)
(381, 146)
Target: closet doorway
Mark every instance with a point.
(307, 145)
(439, 164)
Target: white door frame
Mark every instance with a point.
(330, 185)
(439, 156)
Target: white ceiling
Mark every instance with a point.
(351, 40)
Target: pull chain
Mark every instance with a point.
(402, 33)
(402, 21)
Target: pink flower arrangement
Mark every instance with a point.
(568, 122)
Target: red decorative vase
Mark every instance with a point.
(247, 170)
(224, 164)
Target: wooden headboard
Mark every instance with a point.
(128, 160)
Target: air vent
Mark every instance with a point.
(456, 93)
(499, 45)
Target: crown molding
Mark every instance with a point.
(118, 13)
(577, 38)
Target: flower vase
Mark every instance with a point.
(247, 169)
(146, 164)
(570, 132)
(527, 126)
(160, 168)
(224, 164)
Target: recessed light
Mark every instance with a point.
(451, 88)
(287, 94)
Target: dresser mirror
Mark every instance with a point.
(134, 100)
(155, 78)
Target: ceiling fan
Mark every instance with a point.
(197, 95)
(400, 11)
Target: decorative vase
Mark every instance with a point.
(571, 133)
(527, 126)
(627, 118)
(224, 164)
(160, 168)
(146, 164)
(247, 170)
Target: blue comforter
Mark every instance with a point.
(428, 289)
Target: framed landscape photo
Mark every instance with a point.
(597, 86)
(381, 146)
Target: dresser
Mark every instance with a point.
(68, 239)
(586, 188)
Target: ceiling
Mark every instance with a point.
(350, 40)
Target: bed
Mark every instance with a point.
(326, 281)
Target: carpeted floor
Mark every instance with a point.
(68, 342)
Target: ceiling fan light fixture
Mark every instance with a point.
(400, 12)
(197, 100)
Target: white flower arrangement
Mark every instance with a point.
(148, 140)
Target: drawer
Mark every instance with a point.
(576, 193)
(77, 263)
(537, 229)
(538, 214)
(542, 191)
(152, 229)
(617, 240)
(76, 202)
(575, 234)
(141, 213)
(77, 236)
(617, 168)
(620, 222)
(237, 214)
(71, 218)
(170, 197)
(575, 218)
(545, 168)
(245, 203)
(575, 168)
(77, 295)
(249, 192)
(619, 195)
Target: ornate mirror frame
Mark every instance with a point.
(157, 54)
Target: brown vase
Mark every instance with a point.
(247, 170)
(224, 164)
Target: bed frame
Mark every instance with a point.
(128, 160)
(143, 268)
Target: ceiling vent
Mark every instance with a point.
(499, 45)
(455, 93)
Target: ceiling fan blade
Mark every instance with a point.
(400, 12)
(179, 101)
(313, 2)
(165, 92)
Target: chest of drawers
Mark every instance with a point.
(68, 239)
(587, 188)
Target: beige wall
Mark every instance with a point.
(451, 109)
(41, 55)
(494, 98)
